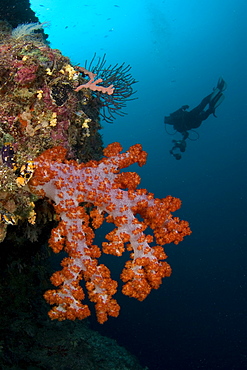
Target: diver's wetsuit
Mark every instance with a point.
(183, 121)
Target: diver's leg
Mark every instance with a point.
(197, 110)
(205, 114)
(213, 104)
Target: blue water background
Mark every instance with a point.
(177, 50)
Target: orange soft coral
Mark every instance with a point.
(112, 196)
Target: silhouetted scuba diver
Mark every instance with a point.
(183, 121)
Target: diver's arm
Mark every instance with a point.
(184, 107)
(179, 111)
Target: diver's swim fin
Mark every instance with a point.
(221, 85)
(216, 101)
